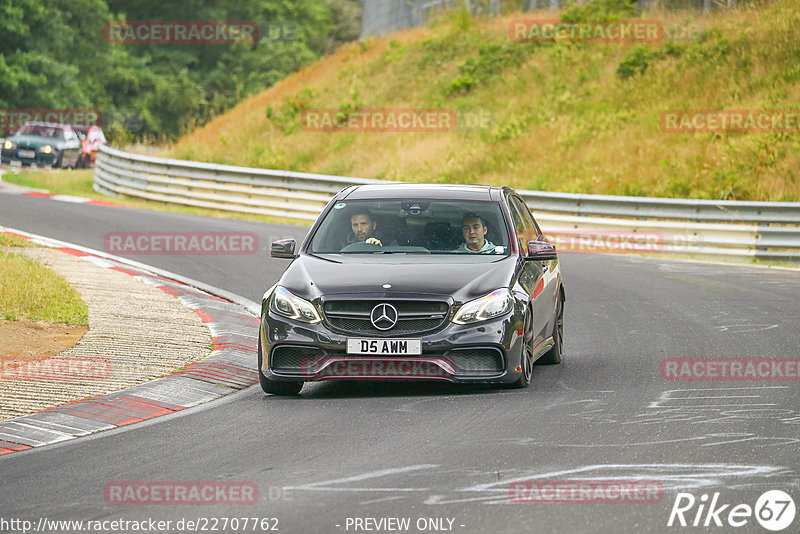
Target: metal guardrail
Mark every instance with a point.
(698, 228)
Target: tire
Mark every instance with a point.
(58, 162)
(526, 362)
(275, 387)
(76, 164)
(553, 356)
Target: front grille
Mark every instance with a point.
(292, 359)
(403, 328)
(476, 361)
(414, 316)
(403, 306)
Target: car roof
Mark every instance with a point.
(48, 124)
(438, 191)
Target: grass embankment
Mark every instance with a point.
(32, 291)
(58, 182)
(579, 117)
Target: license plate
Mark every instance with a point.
(27, 154)
(384, 346)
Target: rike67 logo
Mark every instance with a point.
(774, 510)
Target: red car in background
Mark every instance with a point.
(91, 138)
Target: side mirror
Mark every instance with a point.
(541, 251)
(283, 248)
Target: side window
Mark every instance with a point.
(519, 227)
(531, 222)
(523, 222)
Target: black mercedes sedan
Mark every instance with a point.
(414, 282)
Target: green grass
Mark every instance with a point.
(58, 182)
(37, 293)
(573, 117)
(8, 240)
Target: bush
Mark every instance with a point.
(599, 11)
(491, 59)
(636, 63)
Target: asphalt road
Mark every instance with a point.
(436, 451)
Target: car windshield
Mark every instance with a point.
(42, 130)
(414, 226)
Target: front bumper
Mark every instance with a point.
(488, 352)
(39, 158)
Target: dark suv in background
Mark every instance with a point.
(45, 144)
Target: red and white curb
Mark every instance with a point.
(13, 189)
(229, 368)
(72, 199)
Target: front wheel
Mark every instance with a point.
(553, 356)
(526, 361)
(275, 387)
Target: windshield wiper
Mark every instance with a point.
(390, 252)
(323, 258)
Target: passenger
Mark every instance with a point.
(474, 229)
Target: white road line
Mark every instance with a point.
(320, 486)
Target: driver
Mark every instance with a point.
(474, 229)
(364, 229)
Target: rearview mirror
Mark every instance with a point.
(283, 248)
(541, 251)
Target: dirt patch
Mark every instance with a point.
(27, 341)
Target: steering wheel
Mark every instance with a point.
(360, 246)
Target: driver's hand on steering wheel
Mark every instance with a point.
(373, 241)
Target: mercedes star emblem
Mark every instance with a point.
(383, 316)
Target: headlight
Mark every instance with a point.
(46, 149)
(495, 304)
(8, 145)
(286, 304)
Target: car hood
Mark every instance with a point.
(35, 140)
(463, 278)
